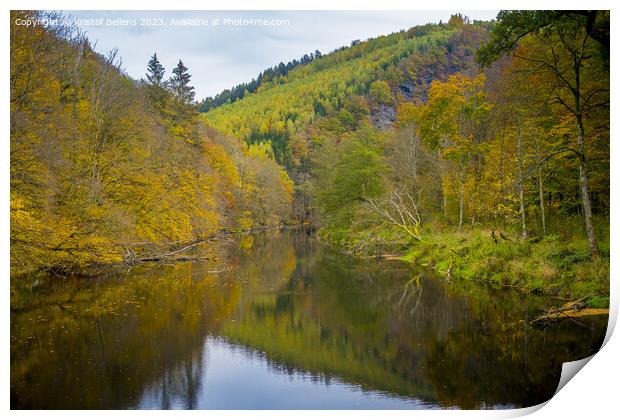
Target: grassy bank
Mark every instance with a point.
(548, 265)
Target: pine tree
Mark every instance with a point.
(179, 83)
(155, 71)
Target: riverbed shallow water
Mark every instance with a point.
(282, 321)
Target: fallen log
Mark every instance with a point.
(170, 254)
(574, 309)
(576, 304)
(389, 257)
(573, 313)
(154, 254)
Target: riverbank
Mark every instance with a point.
(547, 265)
(120, 256)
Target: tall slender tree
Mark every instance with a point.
(179, 83)
(155, 71)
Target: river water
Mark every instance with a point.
(282, 321)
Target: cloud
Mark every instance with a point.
(221, 56)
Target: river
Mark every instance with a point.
(280, 320)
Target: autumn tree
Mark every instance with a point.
(454, 122)
(571, 50)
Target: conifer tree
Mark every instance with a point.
(179, 83)
(155, 71)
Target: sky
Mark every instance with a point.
(225, 48)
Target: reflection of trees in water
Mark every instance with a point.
(411, 296)
(379, 325)
(273, 364)
(305, 309)
(266, 265)
(100, 343)
(179, 386)
(108, 342)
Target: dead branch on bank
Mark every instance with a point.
(399, 208)
(573, 309)
(153, 252)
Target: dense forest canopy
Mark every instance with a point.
(285, 106)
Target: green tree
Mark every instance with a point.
(179, 83)
(348, 171)
(155, 71)
(380, 92)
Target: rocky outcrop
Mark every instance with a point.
(383, 116)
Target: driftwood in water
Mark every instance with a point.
(574, 309)
(150, 252)
(167, 255)
(573, 313)
(388, 257)
(176, 251)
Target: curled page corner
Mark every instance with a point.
(611, 320)
(570, 369)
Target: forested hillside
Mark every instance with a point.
(101, 163)
(481, 149)
(390, 68)
(244, 89)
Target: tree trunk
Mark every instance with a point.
(444, 203)
(583, 169)
(541, 196)
(444, 196)
(444, 200)
(461, 201)
(414, 155)
(521, 200)
(585, 192)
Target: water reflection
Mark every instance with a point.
(267, 385)
(291, 325)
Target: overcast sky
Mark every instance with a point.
(222, 55)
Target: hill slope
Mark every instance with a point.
(100, 162)
(407, 61)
